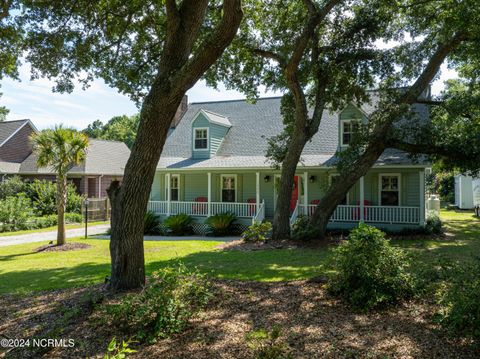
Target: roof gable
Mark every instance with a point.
(8, 129)
(214, 118)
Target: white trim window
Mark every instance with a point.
(174, 188)
(200, 139)
(389, 189)
(228, 188)
(333, 178)
(348, 128)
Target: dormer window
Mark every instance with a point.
(200, 141)
(348, 130)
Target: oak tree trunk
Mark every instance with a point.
(129, 201)
(179, 70)
(340, 188)
(281, 219)
(61, 206)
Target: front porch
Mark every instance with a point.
(388, 198)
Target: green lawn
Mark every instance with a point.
(22, 270)
(48, 229)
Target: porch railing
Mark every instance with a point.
(260, 216)
(294, 215)
(373, 214)
(241, 210)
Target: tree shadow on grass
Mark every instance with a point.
(268, 265)
(24, 281)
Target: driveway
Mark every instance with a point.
(51, 236)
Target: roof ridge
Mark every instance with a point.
(22, 120)
(235, 100)
(105, 140)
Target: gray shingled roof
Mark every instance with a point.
(103, 157)
(8, 128)
(246, 142)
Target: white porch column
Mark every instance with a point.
(422, 197)
(209, 174)
(257, 189)
(169, 193)
(305, 192)
(362, 198)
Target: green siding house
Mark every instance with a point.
(214, 161)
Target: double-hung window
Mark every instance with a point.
(390, 189)
(229, 188)
(201, 139)
(348, 130)
(174, 187)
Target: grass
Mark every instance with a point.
(22, 270)
(49, 229)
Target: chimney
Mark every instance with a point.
(182, 108)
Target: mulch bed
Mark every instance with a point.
(241, 245)
(313, 325)
(63, 248)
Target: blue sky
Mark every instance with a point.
(35, 100)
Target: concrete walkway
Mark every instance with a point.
(51, 235)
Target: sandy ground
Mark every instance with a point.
(312, 325)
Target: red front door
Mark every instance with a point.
(294, 199)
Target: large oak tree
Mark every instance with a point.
(333, 60)
(153, 51)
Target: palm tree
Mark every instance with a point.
(61, 149)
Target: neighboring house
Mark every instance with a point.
(104, 163)
(467, 192)
(214, 161)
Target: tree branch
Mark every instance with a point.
(213, 46)
(269, 55)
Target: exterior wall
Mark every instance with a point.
(463, 192)
(18, 148)
(194, 184)
(216, 134)
(201, 122)
(349, 113)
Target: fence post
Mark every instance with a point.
(106, 209)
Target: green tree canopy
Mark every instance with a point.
(119, 128)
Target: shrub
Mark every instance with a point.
(43, 194)
(152, 224)
(257, 232)
(460, 313)
(52, 220)
(179, 224)
(171, 297)
(15, 212)
(11, 187)
(221, 224)
(433, 224)
(302, 230)
(118, 351)
(266, 345)
(73, 218)
(370, 272)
